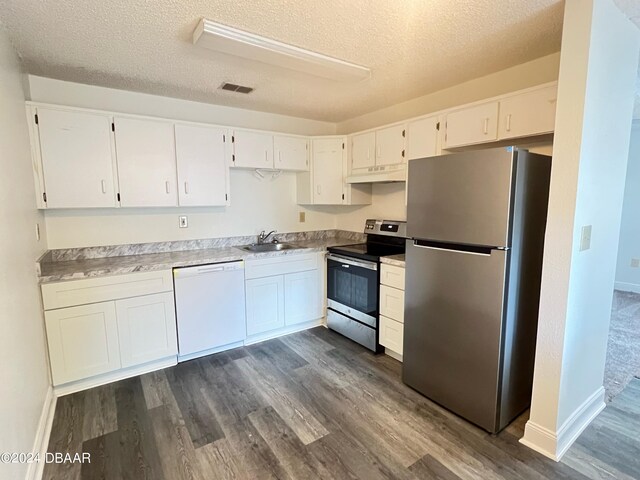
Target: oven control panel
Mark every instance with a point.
(393, 228)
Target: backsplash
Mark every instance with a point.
(66, 254)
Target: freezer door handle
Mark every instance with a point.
(483, 251)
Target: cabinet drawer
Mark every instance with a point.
(391, 334)
(392, 276)
(94, 290)
(280, 265)
(392, 303)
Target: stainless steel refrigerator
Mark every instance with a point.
(475, 222)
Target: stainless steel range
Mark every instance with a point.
(353, 278)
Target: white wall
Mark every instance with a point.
(598, 67)
(388, 203)
(529, 74)
(627, 277)
(24, 376)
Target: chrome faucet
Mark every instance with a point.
(262, 238)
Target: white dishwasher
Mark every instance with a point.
(210, 308)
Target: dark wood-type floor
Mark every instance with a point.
(309, 405)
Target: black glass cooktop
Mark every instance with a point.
(371, 250)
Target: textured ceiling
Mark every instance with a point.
(413, 47)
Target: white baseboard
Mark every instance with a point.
(111, 377)
(34, 472)
(555, 444)
(262, 337)
(627, 287)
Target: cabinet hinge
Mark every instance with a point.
(438, 126)
(224, 138)
(36, 117)
(402, 153)
(118, 197)
(233, 158)
(403, 133)
(226, 196)
(343, 145)
(343, 196)
(44, 197)
(113, 127)
(233, 139)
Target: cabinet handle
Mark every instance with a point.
(377, 152)
(486, 125)
(509, 123)
(279, 157)
(266, 156)
(318, 189)
(104, 186)
(186, 188)
(166, 186)
(368, 154)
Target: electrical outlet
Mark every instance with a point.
(585, 238)
(183, 221)
(635, 262)
(302, 216)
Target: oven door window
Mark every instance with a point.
(353, 286)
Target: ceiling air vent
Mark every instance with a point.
(231, 87)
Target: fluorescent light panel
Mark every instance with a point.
(239, 43)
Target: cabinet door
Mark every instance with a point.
(392, 303)
(77, 159)
(202, 166)
(328, 182)
(422, 138)
(390, 145)
(473, 125)
(531, 113)
(363, 150)
(252, 149)
(265, 304)
(146, 156)
(391, 334)
(302, 302)
(291, 153)
(146, 328)
(83, 341)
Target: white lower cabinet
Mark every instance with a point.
(103, 325)
(392, 308)
(265, 304)
(283, 292)
(302, 301)
(391, 334)
(83, 341)
(146, 328)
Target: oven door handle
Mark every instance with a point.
(347, 262)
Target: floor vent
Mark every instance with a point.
(231, 87)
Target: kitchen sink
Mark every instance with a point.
(267, 247)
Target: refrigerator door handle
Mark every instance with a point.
(466, 249)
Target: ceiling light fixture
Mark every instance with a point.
(232, 41)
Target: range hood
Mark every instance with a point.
(381, 174)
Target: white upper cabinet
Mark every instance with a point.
(77, 158)
(328, 182)
(203, 176)
(472, 125)
(146, 155)
(363, 150)
(390, 145)
(252, 149)
(531, 113)
(290, 153)
(422, 138)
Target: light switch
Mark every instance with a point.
(635, 262)
(585, 238)
(302, 216)
(183, 221)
